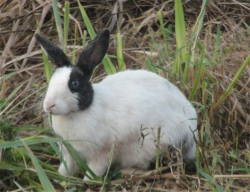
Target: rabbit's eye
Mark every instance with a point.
(75, 83)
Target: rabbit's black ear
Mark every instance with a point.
(93, 53)
(54, 53)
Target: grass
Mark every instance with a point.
(203, 50)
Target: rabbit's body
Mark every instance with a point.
(121, 117)
(125, 109)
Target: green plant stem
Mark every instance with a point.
(109, 67)
(58, 21)
(110, 162)
(180, 32)
(163, 30)
(120, 59)
(157, 159)
(198, 77)
(230, 87)
(66, 25)
(46, 184)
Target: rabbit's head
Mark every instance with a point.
(69, 88)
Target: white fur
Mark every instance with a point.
(122, 104)
(59, 95)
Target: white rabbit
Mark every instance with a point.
(119, 110)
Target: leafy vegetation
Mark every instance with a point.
(203, 48)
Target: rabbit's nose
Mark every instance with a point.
(49, 105)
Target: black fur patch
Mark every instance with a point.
(84, 89)
(55, 54)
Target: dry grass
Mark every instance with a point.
(228, 127)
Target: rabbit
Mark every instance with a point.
(124, 109)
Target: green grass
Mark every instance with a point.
(223, 97)
(109, 67)
(193, 68)
(181, 42)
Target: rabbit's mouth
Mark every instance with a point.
(60, 111)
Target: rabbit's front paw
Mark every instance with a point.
(62, 170)
(98, 168)
(69, 170)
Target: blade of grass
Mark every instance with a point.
(216, 52)
(46, 184)
(79, 161)
(163, 31)
(248, 27)
(157, 155)
(204, 88)
(177, 62)
(197, 28)
(180, 32)
(87, 21)
(198, 76)
(109, 67)
(230, 87)
(73, 58)
(19, 186)
(120, 59)
(8, 103)
(19, 102)
(22, 153)
(58, 21)
(150, 65)
(84, 40)
(47, 67)
(10, 144)
(210, 179)
(11, 95)
(66, 25)
(152, 43)
(6, 76)
(169, 30)
(110, 162)
(11, 166)
(228, 51)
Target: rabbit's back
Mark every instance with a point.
(136, 104)
(144, 92)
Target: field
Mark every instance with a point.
(203, 47)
